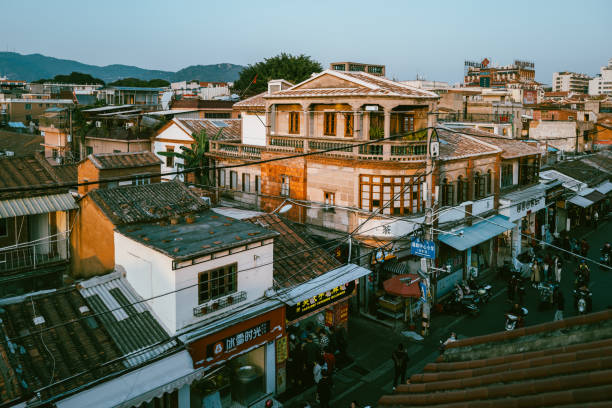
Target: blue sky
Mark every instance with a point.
(431, 38)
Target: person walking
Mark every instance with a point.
(558, 266)
(559, 303)
(584, 247)
(324, 391)
(535, 273)
(400, 364)
(317, 370)
(595, 218)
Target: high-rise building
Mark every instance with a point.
(487, 76)
(602, 83)
(570, 82)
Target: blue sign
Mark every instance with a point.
(423, 248)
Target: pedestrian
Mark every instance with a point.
(559, 303)
(317, 370)
(324, 390)
(311, 355)
(323, 338)
(330, 360)
(535, 273)
(595, 218)
(584, 247)
(400, 364)
(558, 264)
(567, 246)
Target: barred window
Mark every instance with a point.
(393, 195)
(217, 283)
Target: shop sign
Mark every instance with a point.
(244, 337)
(342, 313)
(319, 301)
(423, 248)
(528, 205)
(281, 350)
(329, 318)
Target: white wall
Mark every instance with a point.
(253, 129)
(150, 273)
(556, 129)
(177, 139)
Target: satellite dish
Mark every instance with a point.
(285, 208)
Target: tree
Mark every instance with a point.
(195, 157)
(73, 78)
(153, 83)
(284, 66)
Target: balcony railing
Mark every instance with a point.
(218, 304)
(397, 150)
(34, 254)
(475, 117)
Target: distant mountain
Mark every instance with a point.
(36, 66)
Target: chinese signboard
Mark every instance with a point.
(342, 313)
(281, 350)
(423, 248)
(244, 337)
(319, 301)
(528, 205)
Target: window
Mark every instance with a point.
(401, 123)
(217, 115)
(375, 70)
(222, 178)
(479, 185)
(233, 180)
(28, 106)
(462, 190)
(399, 195)
(141, 181)
(528, 171)
(348, 124)
(329, 199)
(257, 184)
(3, 227)
(507, 176)
(116, 151)
(246, 183)
(329, 124)
(217, 283)
(356, 67)
(339, 67)
(447, 193)
(170, 159)
(285, 186)
(294, 123)
(28, 118)
(489, 182)
(88, 150)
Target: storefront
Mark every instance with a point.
(520, 208)
(240, 361)
(477, 242)
(554, 216)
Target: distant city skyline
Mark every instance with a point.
(430, 40)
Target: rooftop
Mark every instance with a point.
(21, 144)
(456, 145)
(149, 202)
(201, 104)
(551, 364)
(511, 148)
(25, 172)
(105, 161)
(227, 129)
(209, 233)
(292, 264)
(586, 170)
(256, 101)
(118, 133)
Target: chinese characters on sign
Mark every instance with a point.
(423, 248)
(320, 300)
(526, 205)
(230, 343)
(281, 350)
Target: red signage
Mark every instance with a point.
(485, 62)
(227, 343)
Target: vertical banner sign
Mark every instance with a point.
(281, 350)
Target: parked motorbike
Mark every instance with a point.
(516, 288)
(583, 300)
(605, 256)
(485, 293)
(515, 320)
(546, 290)
(464, 303)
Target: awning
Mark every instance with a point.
(478, 233)
(580, 201)
(595, 196)
(37, 205)
(604, 188)
(403, 285)
(138, 386)
(323, 283)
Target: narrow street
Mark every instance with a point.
(371, 374)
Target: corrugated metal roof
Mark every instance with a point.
(477, 233)
(37, 205)
(128, 319)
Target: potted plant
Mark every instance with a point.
(229, 300)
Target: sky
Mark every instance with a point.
(429, 38)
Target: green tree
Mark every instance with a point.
(73, 78)
(284, 66)
(195, 157)
(153, 83)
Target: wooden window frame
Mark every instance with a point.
(507, 175)
(170, 159)
(218, 282)
(294, 123)
(258, 184)
(349, 124)
(489, 182)
(233, 180)
(246, 182)
(285, 186)
(329, 123)
(462, 190)
(447, 193)
(409, 187)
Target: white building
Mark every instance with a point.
(202, 90)
(570, 82)
(602, 83)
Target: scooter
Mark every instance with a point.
(464, 303)
(546, 290)
(583, 300)
(605, 257)
(514, 321)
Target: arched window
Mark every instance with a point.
(447, 193)
(462, 190)
(479, 185)
(489, 182)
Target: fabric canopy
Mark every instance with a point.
(478, 233)
(580, 201)
(403, 285)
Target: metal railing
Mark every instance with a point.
(218, 304)
(35, 254)
(474, 117)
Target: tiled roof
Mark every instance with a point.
(209, 233)
(66, 173)
(149, 202)
(201, 104)
(511, 148)
(21, 144)
(105, 161)
(552, 364)
(454, 145)
(227, 129)
(294, 263)
(26, 172)
(366, 85)
(256, 101)
(118, 133)
(588, 170)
